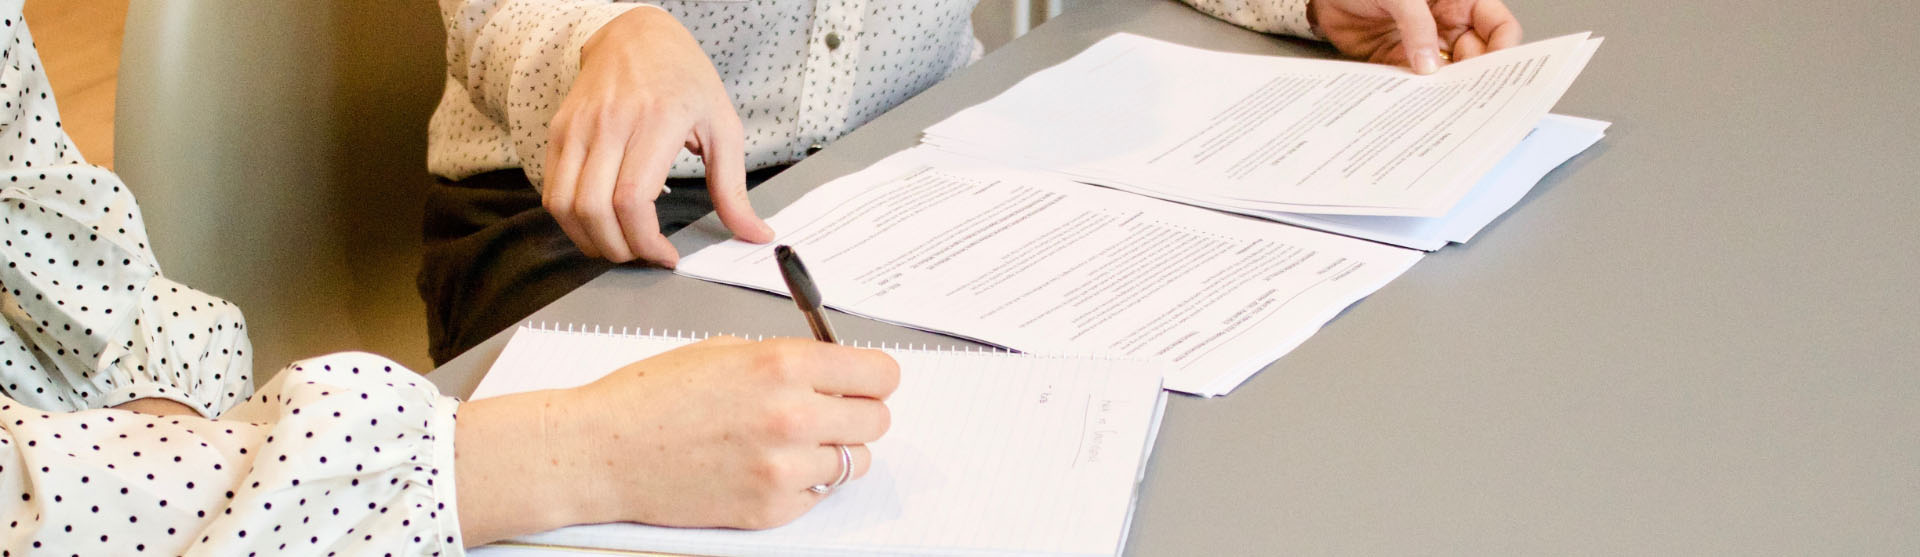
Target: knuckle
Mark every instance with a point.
(609, 111)
(629, 199)
(787, 424)
(562, 119)
(594, 211)
(655, 108)
(560, 206)
(780, 361)
(607, 135)
(768, 473)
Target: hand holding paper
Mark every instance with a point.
(1415, 32)
(1270, 133)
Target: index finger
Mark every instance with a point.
(838, 370)
(723, 150)
(649, 157)
(565, 153)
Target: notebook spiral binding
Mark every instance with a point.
(682, 334)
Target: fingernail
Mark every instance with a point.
(1426, 62)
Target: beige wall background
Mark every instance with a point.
(79, 42)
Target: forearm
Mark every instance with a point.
(520, 469)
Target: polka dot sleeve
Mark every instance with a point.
(347, 454)
(516, 60)
(801, 74)
(1285, 17)
(89, 319)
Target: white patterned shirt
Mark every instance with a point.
(347, 454)
(801, 73)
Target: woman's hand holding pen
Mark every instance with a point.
(721, 433)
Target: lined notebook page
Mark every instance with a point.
(989, 453)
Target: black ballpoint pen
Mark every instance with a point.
(805, 294)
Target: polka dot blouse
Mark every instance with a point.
(347, 454)
(801, 74)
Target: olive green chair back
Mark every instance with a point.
(278, 151)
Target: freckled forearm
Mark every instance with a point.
(511, 477)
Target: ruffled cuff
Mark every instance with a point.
(186, 346)
(347, 454)
(369, 440)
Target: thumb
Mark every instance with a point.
(1418, 36)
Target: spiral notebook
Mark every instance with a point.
(990, 453)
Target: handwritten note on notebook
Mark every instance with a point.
(989, 453)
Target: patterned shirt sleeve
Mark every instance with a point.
(347, 454)
(89, 319)
(514, 61)
(1284, 17)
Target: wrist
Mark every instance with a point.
(622, 29)
(579, 457)
(155, 406)
(510, 480)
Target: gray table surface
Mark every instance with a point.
(1701, 336)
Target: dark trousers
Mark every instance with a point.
(493, 255)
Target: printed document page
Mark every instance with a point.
(989, 453)
(1554, 141)
(1271, 133)
(1038, 263)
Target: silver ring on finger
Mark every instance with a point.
(846, 473)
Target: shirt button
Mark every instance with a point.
(814, 148)
(833, 41)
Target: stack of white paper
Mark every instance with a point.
(988, 454)
(1039, 263)
(997, 230)
(1555, 140)
(1294, 140)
